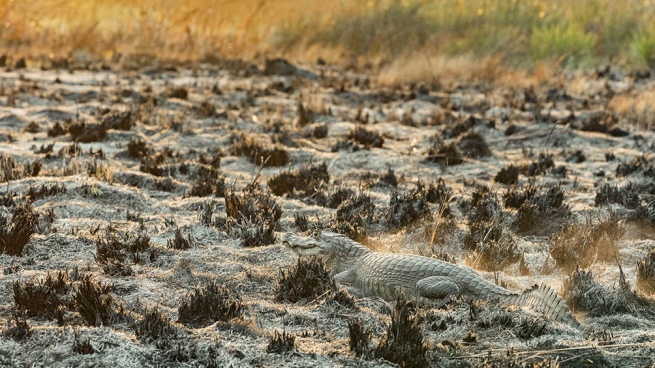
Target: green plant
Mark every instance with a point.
(643, 46)
(569, 42)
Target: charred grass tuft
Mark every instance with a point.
(115, 250)
(646, 273)
(208, 181)
(255, 215)
(626, 196)
(259, 154)
(306, 281)
(94, 302)
(154, 326)
(407, 208)
(43, 298)
(15, 233)
(306, 181)
(208, 304)
(10, 169)
(359, 338)
(281, 343)
(541, 212)
(45, 191)
(17, 327)
(403, 342)
(366, 138)
(179, 241)
(492, 247)
(352, 216)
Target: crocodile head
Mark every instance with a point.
(318, 244)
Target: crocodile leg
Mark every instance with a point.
(346, 277)
(437, 287)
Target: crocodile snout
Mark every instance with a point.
(287, 238)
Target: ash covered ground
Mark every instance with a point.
(141, 210)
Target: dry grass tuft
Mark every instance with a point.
(582, 244)
(583, 293)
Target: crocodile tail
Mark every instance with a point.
(545, 299)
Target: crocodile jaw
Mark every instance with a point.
(304, 246)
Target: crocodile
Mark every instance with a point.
(425, 281)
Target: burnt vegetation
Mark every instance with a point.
(407, 208)
(159, 163)
(366, 138)
(403, 343)
(540, 166)
(180, 241)
(626, 195)
(490, 244)
(638, 166)
(10, 169)
(82, 132)
(255, 215)
(208, 181)
(304, 182)
(16, 232)
(17, 327)
(304, 282)
(468, 146)
(94, 302)
(45, 191)
(508, 175)
(539, 211)
(209, 304)
(44, 298)
(154, 326)
(524, 224)
(115, 250)
(352, 216)
(137, 148)
(359, 339)
(257, 153)
(55, 296)
(646, 273)
(281, 343)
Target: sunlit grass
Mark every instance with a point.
(517, 32)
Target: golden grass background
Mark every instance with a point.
(385, 35)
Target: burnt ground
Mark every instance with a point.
(153, 196)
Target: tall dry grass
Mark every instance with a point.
(383, 33)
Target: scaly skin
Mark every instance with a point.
(425, 281)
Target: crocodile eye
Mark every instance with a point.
(316, 233)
